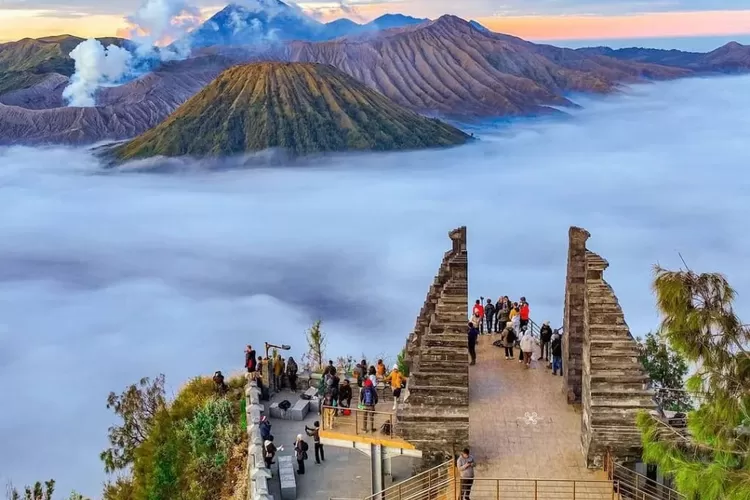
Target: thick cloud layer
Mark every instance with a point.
(107, 277)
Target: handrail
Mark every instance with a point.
(636, 486)
(358, 421)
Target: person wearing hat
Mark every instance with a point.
(545, 336)
(397, 381)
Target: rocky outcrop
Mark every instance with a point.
(602, 369)
(435, 413)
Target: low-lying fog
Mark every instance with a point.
(105, 278)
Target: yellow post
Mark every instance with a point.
(356, 425)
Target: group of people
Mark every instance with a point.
(334, 393)
(300, 445)
(271, 372)
(512, 321)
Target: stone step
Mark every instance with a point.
(449, 396)
(614, 364)
(623, 377)
(622, 392)
(439, 378)
(600, 402)
(608, 352)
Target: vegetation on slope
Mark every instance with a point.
(304, 108)
(192, 448)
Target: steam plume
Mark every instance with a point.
(95, 65)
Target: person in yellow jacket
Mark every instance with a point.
(396, 380)
(513, 311)
(380, 370)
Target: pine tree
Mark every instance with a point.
(710, 461)
(316, 341)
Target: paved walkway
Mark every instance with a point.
(520, 423)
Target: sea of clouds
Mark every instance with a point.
(108, 276)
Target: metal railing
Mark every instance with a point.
(437, 483)
(538, 489)
(634, 486)
(358, 422)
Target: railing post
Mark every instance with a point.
(574, 490)
(399, 491)
(536, 483)
(497, 489)
(613, 490)
(356, 425)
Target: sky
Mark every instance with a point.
(109, 276)
(531, 19)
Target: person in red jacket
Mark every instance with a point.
(524, 312)
(478, 315)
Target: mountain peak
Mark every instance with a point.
(301, 107)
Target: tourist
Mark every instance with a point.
(315, 434)
(397, 382)
(269, 451)
(466, 464)
(368, 398)
(516, 325)
(478, 315)
(329, 409)
(472, 338)
(556, 348)
(278, 371)
(489, 315)
(265, 428)
(524, 312)
(250, 359)
(334, 385)
(300, 453)
(219, 384)
(361, 372)
(380, 369)
(545, 335)
(513, 311)
(527, 346)
(509, 340)
(372, 374)
(345, 395)
(291, 373)
(502, 313)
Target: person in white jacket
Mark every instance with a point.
(527, 345)
(516, 324)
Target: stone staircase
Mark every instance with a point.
(435, 413)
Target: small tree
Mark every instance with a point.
(137, 406)
(667, 370)
(316, 342)
(37, 492)
(403, 367)
(711, 460)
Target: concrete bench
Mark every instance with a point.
(286, 477)
(275, 411)
(300, 410)
(311, 392)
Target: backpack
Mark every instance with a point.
(285, 405)
(305, 446)
(368, 398)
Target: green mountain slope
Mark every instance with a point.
(28, 61)
(302, 107)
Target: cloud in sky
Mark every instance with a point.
(108, 277)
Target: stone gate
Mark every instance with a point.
(600, 358)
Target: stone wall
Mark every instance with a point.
(604, 373)
(435, 413)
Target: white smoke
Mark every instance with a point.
(155, 21)
(95, 65)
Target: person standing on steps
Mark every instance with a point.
(524, 312)
(556, 348)
(472, 338)
(477, 315)
(397, 381)
(489, 316)
(291, 373)
(545, 336)
(315, 434)
(278, 371)
(368, 398)
(300, 453)
(465, 465)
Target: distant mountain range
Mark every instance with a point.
(237, 25)
(303, 108)
(447, 67)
